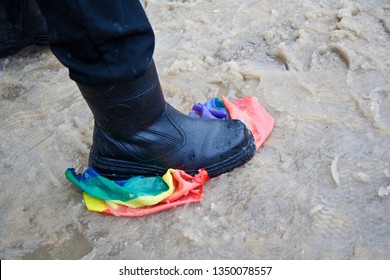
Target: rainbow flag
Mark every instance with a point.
(138, 196)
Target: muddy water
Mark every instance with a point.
(318, 188)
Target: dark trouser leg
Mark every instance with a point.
(100, 41)
(21, 25)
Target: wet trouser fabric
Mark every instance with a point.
(21, 25)
(100, 41)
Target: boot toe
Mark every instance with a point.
(233, 147)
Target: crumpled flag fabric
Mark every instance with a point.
(212, 109)
(136, 192)
(250, 111)
(138, 196)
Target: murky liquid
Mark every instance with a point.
(318, 188)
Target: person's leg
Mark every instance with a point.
(21, 25)
(108, 47)
(101, 41)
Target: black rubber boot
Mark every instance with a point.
(137, 133)
(21, 25)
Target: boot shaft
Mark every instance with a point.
(124, 109)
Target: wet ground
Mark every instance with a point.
(319, 188)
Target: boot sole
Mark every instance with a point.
(121, 170)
